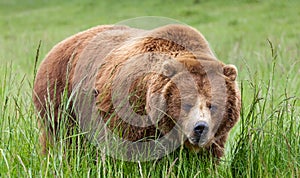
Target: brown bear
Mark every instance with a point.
(142, 83)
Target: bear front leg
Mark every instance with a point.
(218, 146)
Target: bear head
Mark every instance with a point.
(198, 97)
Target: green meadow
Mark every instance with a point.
(262, 38)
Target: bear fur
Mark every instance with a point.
(175, 77)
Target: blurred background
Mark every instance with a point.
(236, 30)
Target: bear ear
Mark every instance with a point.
(230, 71)
(168, 69)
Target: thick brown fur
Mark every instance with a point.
(171, 49)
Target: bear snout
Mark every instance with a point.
(200, 131)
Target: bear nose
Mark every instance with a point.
(200, 128)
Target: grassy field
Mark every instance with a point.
(261, 38)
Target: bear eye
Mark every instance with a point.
(95, 92)
(187, 107)
(213, 108)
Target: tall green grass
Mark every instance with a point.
(265, 143)
(268, 139)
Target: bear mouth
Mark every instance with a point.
(198, 141)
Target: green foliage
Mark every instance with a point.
(260, 37)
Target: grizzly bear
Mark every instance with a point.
(145, 84)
